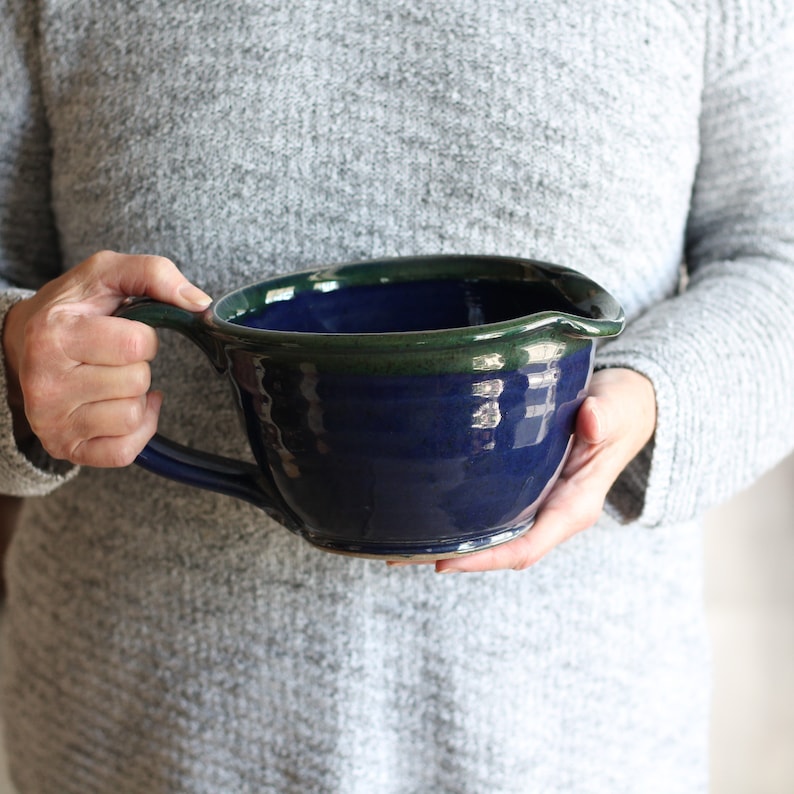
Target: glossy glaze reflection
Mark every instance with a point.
(412, 407)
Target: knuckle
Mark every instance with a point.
(56, 445)
(80, 454)
(131, 346)
(62, 440)
(78, 428)
(97, 262)
(141, 345)
(122, 453)
(43, 357)
(41, 396)
(132, 416)
(158, 267)
(140, 379)
(104, 453)
(43, 333)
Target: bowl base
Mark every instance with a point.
(419, 552)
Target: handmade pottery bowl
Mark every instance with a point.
(411, 407)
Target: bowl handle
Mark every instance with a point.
(167, 458)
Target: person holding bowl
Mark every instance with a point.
(162, 638)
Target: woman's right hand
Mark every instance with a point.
(78, 378)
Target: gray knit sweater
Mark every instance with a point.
(163, 639)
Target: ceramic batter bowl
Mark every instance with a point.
(412, 407)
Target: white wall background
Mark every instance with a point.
(750, 600)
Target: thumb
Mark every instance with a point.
(621, 408)
(592, 421)
(109, 277)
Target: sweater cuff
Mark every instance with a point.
(28, 472)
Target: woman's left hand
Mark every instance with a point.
(613, 424)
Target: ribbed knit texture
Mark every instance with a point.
(161, 639)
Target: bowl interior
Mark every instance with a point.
(415, 294)
(399, 306)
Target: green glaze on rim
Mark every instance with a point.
(504, 345)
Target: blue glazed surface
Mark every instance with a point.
(405, 306)
(417, 464)
(407, 407)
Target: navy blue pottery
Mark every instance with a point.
(411, 407)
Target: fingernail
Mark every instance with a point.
(194, 295)
(599, 425)
(598, 429)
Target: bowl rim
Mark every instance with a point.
(601, 315)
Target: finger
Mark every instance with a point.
(612, 425)
(158, 278)
(623, 404)
(111, 418)
(92, 383)
(120, 451)
(408, 562)
(517, 555)
(112, 275)
(52, 402)
(592, 421)
(109, 341)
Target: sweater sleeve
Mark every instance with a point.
(28, 240)
(721, 354)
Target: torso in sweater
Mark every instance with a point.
(166, 639)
